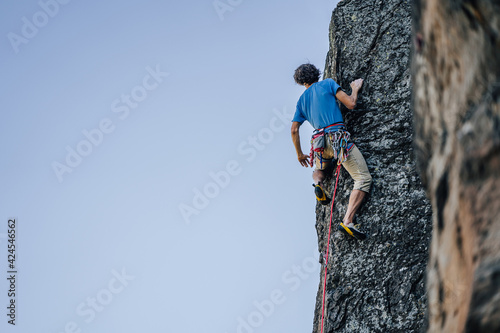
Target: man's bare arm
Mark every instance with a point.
(303, 159)
(350, 101)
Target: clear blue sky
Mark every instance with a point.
(147, 158)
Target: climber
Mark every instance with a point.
(318, 105)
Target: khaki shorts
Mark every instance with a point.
(355, 165)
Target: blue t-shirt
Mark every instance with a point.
(318, 105)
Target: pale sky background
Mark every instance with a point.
(252, 242)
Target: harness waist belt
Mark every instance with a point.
(337, 126)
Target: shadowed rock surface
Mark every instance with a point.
(457, 116)
(376, 285)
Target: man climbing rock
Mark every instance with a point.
(318, 105)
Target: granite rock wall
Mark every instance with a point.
(377, 285)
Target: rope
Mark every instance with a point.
(328, 248)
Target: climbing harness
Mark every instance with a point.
(328, 245)
(338, 140)
(318, 146)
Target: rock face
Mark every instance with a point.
(376, 285)
(456, 68)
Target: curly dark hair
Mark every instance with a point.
(306, 74)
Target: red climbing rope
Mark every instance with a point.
(328, 248)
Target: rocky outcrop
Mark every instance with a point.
(456, 68)
(377, 285)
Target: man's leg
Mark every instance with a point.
(318, 176)
(357, 168)
(323, 165)
(355, 200)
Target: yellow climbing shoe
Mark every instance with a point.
(321, 195)
(351, 231)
